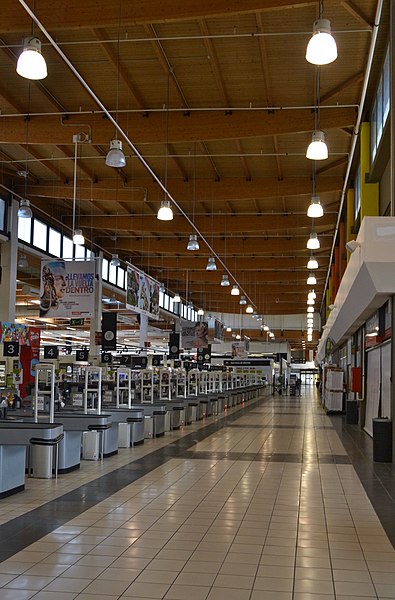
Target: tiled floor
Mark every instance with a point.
(262, 505)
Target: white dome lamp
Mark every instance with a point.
(225, 280)
(115, 156)
(24, 210)
(165, 212)
(315, 210)
(115, 262)
(235, 290)
(78, 238)
(31, 63)
(317, 149)
(321, 49)
(211, 265)
(311, 280)
(193, 243)
(312, 264)
(313, 243)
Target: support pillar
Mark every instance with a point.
(369, 191)
(143, 330)
(9, 259)
(94, 350)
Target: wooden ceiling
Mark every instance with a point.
(218, 98)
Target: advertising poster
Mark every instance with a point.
(239, 350)
(142, 293)
(67, 288)
(216, 331)
(24, 335)
(195, 336)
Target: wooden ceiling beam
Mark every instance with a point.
(228, 189)
(357, 13)
(332, 165)
(281, 268)
(196, 126)
(100, 13)
(341, 87)
(218, 224)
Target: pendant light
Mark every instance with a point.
(317, 149)
(165, 212)
(238, 336)
(211, 265)
(310, 301)
(310, 309)
(315, 210)
(24, 210)
(311, 280)
(235, 290)
(193, 243)
(249, 309)
(177, 298)
(309, 331)
(309, 338)
(115, 156)
(200, 312)
(242, 300)
(31, 63)
(229, 330)
(115, 262)
(22, 262)
(271, 334)
(312, 294)
(78, 237)
(162, 288)
(313, 243)
(225, 281)
(312, 264)
(321, 49)
(266, 328)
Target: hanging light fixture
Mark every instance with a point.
(238, 336)
(211, 265)
(31, 63)
(225, 281)
(115, 262)
(310, 301)
(317, 149)
(321, 49)
(309, 331)
(271, 334)
(312, 264)
(165, 212)
(193, 243)
(200, 312)
(24, 210)
(78, 237)
(22, 262)
(312, 294)
(115, 156)
(311, 280)
(266, 328)
(162, 288)
(177, 298)
(310, 309)
(235, 290)
(315, 210)
(313, 243)
(229, 330)
(249, 309)
(242, 300)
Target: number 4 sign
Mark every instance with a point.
(51, 352)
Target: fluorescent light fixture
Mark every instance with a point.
(242, 300)
(249, 309)
(24, 210)
(193, 243)
(312, 264)
(31, 63)
(317, 149)
(165, 212)
(211, 266)
(321, 49)
(177, 298)
(115, 262)
(115, 156)
(313, 243)
(315, 210)
(235, 290)
(78, 238)
(225, 281)
(311, 280)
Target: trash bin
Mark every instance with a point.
(382, 440)
(42, 461)
(352, 412)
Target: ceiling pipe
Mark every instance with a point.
(355, 134)
(128, 140)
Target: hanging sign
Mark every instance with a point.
(174, 345)
(195, 336)
(11, 349)
(239, 350)
(67, 288)
(109, 331)
(82, 355)
(51, 352)
(142, 292)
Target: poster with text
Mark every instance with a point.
(142, 293)
(67, 288)
(239, 350)
(195, 336)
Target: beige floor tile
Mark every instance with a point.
(181, 592)
(146, 590)
(29, 582)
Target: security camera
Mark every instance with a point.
(352, 245)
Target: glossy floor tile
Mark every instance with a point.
(265, 502)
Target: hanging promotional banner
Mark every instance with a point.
(67, 288)
(239, 350)
(142, 293)
(109, 331)
(195, 336)
(174, 345)
(216, 331)
(24, 335)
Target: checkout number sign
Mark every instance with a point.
(51, 352)
(11, 349)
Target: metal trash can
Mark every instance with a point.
(382, 440)
(42, 461)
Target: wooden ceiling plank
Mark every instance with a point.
(332, 165)
(341, 87)
(18, 166)
(357, 13)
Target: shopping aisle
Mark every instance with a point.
(262, 505)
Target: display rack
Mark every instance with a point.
(44, 390)
(164, 383)
(92, 389)
(124, 387)
(147, 386)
